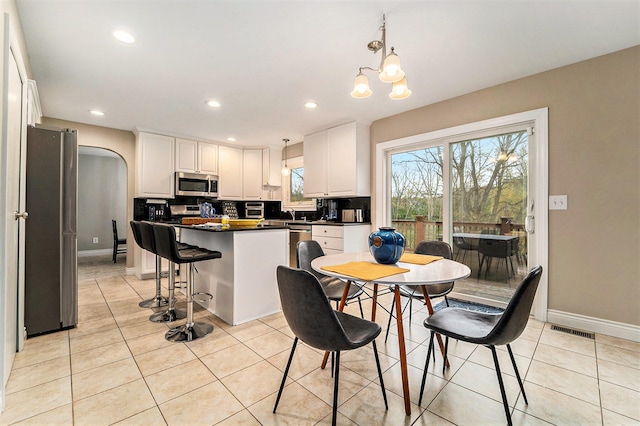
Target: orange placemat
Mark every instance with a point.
(419, 259)
(365, 271)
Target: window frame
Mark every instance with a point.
(308, 205)
(538, 174)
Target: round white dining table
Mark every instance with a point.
(437, 272)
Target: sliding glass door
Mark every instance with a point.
(488, 204)
(471, 190)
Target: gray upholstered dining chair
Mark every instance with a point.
(487, 329)
(312, 320)
(306, 252)
(433, 248)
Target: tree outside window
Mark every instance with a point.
(293, 187)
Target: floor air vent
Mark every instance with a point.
(574, 332)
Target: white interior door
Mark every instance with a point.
(10, 168)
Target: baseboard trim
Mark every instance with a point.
(597, 325)
(130, 271)
(101, 252)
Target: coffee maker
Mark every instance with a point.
(153, 210)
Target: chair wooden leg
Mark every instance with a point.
(384, 393)
(502, 391)
(286, 371)
(515, 368)
(426, 367)
(335, 390)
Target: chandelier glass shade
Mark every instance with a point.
(389, 71)
(361, 86)
(400, 90)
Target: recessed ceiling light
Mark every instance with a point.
(231, 139)
(96, 112)
(213, 104)
(124, 36)
(311, 105)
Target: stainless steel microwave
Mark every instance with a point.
(196, 185)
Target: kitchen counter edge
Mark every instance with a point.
(233, 228)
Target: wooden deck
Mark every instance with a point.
(495, 285)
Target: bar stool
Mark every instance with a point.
(143, 234)
(167, 246)
(171, 314)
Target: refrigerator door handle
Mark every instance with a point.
(23, 215)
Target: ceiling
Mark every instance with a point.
(262, 60)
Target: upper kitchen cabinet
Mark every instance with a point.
(230, 173)
(272, 166)
(337, 162)
(240, 174)
(252, 174)
(154, 165)
(196, 157)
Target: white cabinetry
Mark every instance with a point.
(196, 157)
(240, 174)
(145, 264)
(271, 166)
(207, 158)
(230, 173)
(337, 162)
(336, 239)
(315, 164)
(155, 165)
(252, 174)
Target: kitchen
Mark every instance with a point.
(388, 128)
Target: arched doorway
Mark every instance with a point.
(102, 197)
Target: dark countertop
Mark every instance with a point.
(316, 222)
(232, 228)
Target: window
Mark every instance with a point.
(293, 187)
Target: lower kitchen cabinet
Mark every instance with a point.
(336, 239)
(145, 264)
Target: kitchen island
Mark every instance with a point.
(243, 282)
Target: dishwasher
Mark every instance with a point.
(297, 232)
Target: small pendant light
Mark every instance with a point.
(285, 170)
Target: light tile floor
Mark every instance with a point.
(117, 368)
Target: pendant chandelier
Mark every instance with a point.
(389, 71)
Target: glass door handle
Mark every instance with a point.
(530, 224)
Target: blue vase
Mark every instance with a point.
(386, 245)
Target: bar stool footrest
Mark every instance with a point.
(202, 296)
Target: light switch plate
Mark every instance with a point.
(557, 202)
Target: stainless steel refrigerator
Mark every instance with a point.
(51, 261)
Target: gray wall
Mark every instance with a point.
(102, 196)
